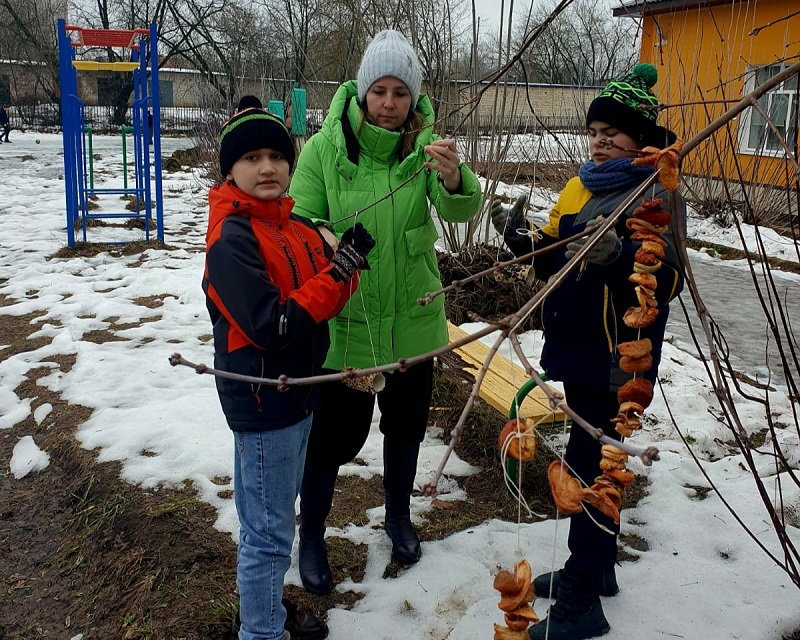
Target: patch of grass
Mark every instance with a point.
(101, 336)
(7, 301)
(122, 326)
(91, 222)
(634, 541)
(15, 331)
(139, 223)
(111, 559)
(352, 498)
(92, 249)
(758, 438)
(635, 492)
(152, 302)
(700, 493)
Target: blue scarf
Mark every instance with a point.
(612, 175)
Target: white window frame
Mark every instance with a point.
(767, 136)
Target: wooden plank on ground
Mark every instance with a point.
(503, 380)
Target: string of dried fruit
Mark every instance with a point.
(647, 223)
(517, 439)
(516, 594)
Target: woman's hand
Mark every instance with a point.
(446, 162)
(329, 237)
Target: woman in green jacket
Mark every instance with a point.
(377, 136)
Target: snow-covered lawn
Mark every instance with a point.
(702, 576)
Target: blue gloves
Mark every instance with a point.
(607, 249)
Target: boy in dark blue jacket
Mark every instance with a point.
(584, 322)
(271, 285)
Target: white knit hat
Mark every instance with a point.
(390, 54)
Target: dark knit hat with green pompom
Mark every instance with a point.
(249, 130)
(619, 104)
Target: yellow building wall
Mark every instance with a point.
(703, 55)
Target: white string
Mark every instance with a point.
(366, 317)
(516, 486)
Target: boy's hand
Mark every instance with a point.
(361, 240)
(328, 236)
(356, 243)
(604, 252)
(508, 219)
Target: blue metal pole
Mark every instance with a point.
(156, 104)
(81, 162)
(137, 130)
(123, 130)
(142, 138)
(88, 129)
(68, 84)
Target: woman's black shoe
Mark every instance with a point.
(315, 572)
(405, 543)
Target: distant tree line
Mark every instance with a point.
(298, 40)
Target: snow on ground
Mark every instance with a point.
(702, 576)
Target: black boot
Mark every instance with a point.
(607, 587)
(399, 470)
(316, 497)
(301, 626)
(576, 614)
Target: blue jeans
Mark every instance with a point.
(268, 470)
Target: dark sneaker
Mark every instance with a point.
(299, 626)
(546, 584)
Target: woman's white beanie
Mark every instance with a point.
(390, 54)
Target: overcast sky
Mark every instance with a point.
(489, 13)
(489, 10)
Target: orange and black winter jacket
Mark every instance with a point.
(269, 292)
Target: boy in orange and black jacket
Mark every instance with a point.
(271, 284)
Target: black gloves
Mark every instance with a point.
(507, 220)
(604, 252)
(354, 246)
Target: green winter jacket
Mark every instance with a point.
(382, 322)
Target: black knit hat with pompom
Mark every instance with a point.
(620, 104)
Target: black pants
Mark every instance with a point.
(592, 550)
(6, 131)
(343, 416)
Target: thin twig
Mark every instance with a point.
(757, 30)
(458, 284)
(388, 195)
